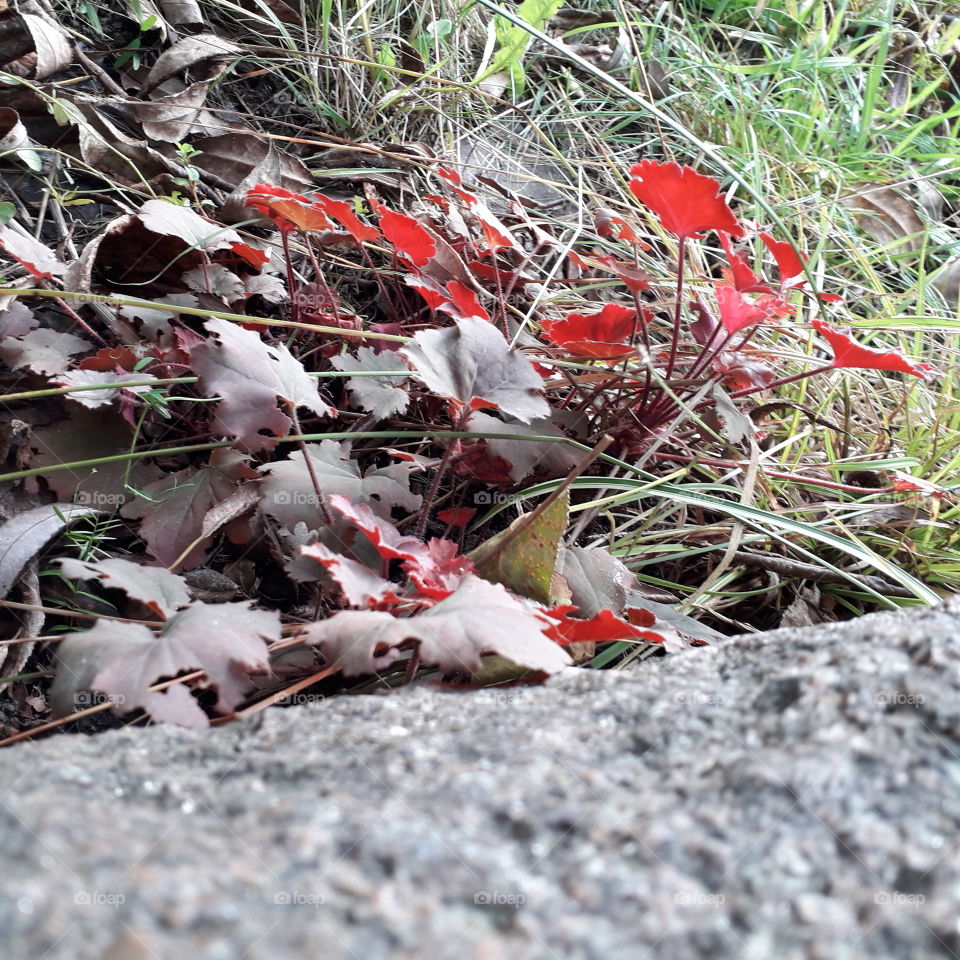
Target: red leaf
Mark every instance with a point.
(109, 359)
(432, 293)
(457, 516)
(386, 539)
(788, 263)
(737, 312)
(407, 236)
(685, 201)
(604, 627)
(633, 277)
(287, 210)
(608, 223)
(495, 274)
(463, 302)
(479, 462)
(343, 213)
(439, 570)
(848, 353)
(602, 335)
(435, 567)
(453, 180)
(744, 279)
(256, 258)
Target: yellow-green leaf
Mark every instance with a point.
(527, 562)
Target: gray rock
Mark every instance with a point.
(786, 795)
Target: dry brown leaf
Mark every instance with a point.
(32, 44)
(888, 216)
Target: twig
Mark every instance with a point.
(787, 567)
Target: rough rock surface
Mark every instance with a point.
(786, 795)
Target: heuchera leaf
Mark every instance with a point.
(603, 627)
(743, 278)
(381, 396)
(608, 223)
(463, 302)
(435, 567)
(343, 213)
(409, 237)
(525, 455)
(288, 493)
(602, 336)
(478, 618)
(31, 254)
(473, 365)
(172, 510)
(457, 516)
(848, 353)
(789, 264)
(360, 586)
(249, 377)
(162, 591)
(289, 211)
(686, 202)
(123, 660)
(737, 312)
(635, 279)
(173, 220)
(42, 350)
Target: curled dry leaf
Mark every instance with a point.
(889, 216)
(34, 45)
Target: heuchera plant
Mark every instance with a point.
(637, 356)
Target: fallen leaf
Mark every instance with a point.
(526, 562)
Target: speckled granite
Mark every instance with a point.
(785, 795)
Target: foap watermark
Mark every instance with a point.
(84, 699)
(699, 699)
(299, 699)
(487, 498)
(497, 898)
(502, 698)
(898, 899)
(692, 898)
(99, 898)
(98, 498)
(296, 498)
(298, 898)
(897, 698)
